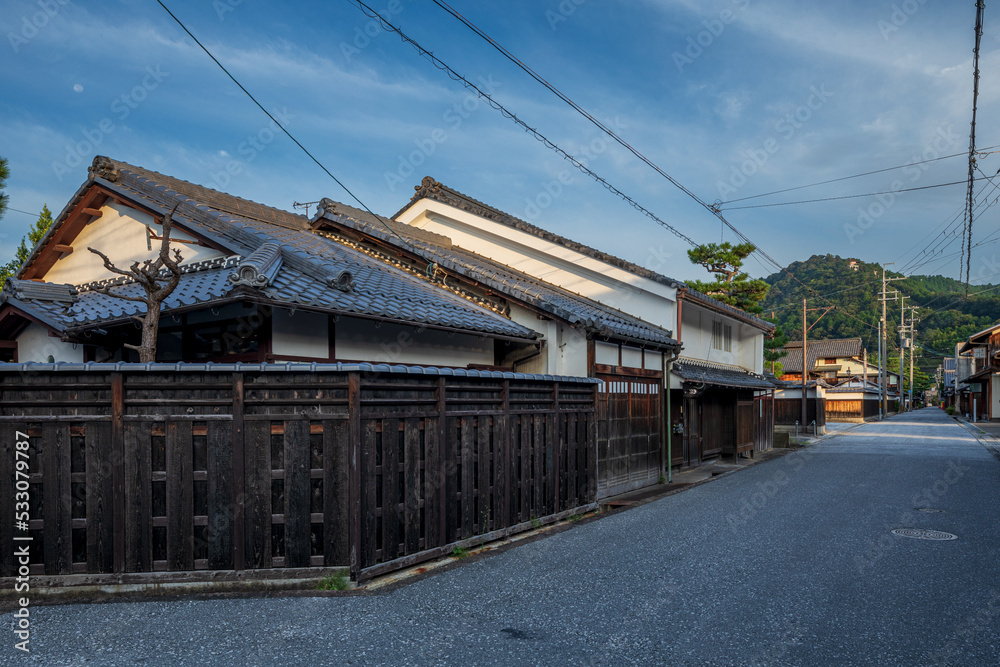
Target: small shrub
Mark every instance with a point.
(459, 552)
(950, 409)
(662, 480)
(334, 582)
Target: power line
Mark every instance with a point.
(866, 194)
(282, 127)
(845, 178)
(455, 76)
(604, 128)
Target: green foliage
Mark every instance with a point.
(27, 244)
(334, 582)
(730, 285)
(946, 318)
(950, 409)
(774, 350)
(459, 552)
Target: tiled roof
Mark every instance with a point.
(692, 370)
(311, 271)
(434, 190)
(291, 366)
(573, 308)
(29, 290)
(833, 348)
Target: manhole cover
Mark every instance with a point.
(923, 534)
(929, 510)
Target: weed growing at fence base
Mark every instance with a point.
(459, 552)
(333, 582)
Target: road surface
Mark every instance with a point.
(790, 562)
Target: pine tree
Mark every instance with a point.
(774, 350)
(4, 175)
(730, 286)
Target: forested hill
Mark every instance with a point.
(945, 316)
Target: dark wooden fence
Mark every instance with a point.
(787, 411)
(164, 468)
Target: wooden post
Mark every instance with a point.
(557, 447)
(354, 442)
(118, 469)
(442, 499)
(239, 474)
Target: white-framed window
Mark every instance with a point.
(722, 336)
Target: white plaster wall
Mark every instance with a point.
(554, 263)
(631, 357)
(605, 353)
(362, 340)
(300, 334)
(572, 352)
(35, 344)
(120, 233)
(750, 348)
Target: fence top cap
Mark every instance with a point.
(287, 367)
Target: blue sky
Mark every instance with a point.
(733, 98)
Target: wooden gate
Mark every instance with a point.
(629, 413)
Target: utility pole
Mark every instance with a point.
(884, 297)
(912, 330)
(805, 364)
(902, 333)
(805, 357)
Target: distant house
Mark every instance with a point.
(835, 361)
(977, 375)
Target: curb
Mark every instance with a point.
(991, 444)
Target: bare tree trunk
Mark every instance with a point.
(148, 276)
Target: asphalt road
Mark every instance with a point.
(790, 562)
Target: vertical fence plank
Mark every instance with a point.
(337, 449)
(99, 495)
(571, 459)
(452, 463)
(354, 442)
(138, 498)
(369, 500)
(503, 457)
(180, 496)
(390, 488)
(557, 444)
(434, 482)
(467, 454)
(411, 481)
(8, 438)
(221, 460)
(524, 478)
(538, 450)
(484, 511)
(446, 463)
(297, 493)
(257, 502)
(57, 506)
